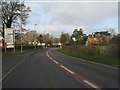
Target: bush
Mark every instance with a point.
(115, 39)
(90, 50)
(112, 50)
(71, 48)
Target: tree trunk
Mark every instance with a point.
(3, 26)
(9, 22)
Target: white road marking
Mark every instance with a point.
(55, 62)
(10, 70)
(91, 61)
(48, 55)
(60, 65)
(90, 84)
(50, 58)
(8, 73)
(67, 69)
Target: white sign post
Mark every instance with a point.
(9, 37)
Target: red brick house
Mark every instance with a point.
(98, 38)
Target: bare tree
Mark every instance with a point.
(10, 12)
(112, 31)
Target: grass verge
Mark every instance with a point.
(17, 52)
(96, 58)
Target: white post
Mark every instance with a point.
(14, 39)
(21, 32)
(35, 36)
(21, 27)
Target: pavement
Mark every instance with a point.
(48, 68)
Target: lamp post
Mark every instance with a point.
(21, 32)
(35, 36)
(20, 16)
(14, 37)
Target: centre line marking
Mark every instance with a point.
(84, 81)
(50, 58)
(55, 62)
(90, 84)
(67, 69)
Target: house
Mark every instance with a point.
(99, 38)
(92, 40)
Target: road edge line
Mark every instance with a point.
(77, 76)
(14, 67)
(108, 66)
(90, 84)
(67, 69)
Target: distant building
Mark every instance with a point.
(30, 37)
(92, 40)
(99, 38)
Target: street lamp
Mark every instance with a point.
(20, 16)
(35, 36)
(14, 37)
(21, 32)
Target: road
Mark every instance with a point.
(51, 69)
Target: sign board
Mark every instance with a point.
(9, 37)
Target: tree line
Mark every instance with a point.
(11, 12)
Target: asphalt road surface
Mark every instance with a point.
(51, 69)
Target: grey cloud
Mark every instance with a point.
(65, 16)
(86, 13)
(81, 12)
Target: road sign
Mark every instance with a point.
(9, 37)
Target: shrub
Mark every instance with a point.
(90, 50)
(73, 48)
(112, 50)
(115, 39)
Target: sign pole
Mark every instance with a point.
(14, 39)
(5, 47)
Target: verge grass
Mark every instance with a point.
(95, 57)
(18, 51)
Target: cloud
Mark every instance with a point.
(55, 17)
(52, 29)
(83, 13)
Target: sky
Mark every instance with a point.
(59, 16)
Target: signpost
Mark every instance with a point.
(9, 37)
